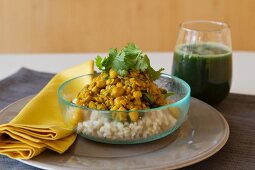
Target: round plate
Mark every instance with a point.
(203, 134)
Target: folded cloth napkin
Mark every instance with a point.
(40, 125)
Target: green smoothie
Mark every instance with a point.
(207, 68)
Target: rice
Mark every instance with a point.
(151, 123)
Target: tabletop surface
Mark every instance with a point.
(243, 80)
(237, 109)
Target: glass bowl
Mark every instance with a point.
(152, 124)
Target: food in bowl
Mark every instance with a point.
(135, 91)
(128, 102)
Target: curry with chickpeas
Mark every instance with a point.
(126, 85)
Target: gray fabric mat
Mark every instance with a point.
(239, 110)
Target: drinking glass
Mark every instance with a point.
(203, 58)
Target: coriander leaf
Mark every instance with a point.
(153, 73)
(99, 62)
(141, 64)
(132, 54)
(106, 63)
(113, 52)
(119, 64)
(148, 98)
(132, 50)
(109, 60)
(122, 72)
(129, 58)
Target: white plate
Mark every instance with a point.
(203, 134)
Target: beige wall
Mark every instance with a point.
(96, 25)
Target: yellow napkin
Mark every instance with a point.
(40, 125)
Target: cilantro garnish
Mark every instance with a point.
(129, 58)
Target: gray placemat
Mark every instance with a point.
(239, 110)
(23, 83)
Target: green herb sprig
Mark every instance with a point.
(129, 58)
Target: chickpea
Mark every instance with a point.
(175, 112)
(122, 116)
(114, 114)
(109, 91)
(92, 105)
(101, 84)
(137, 94)
(113, 74)
(103, 92)
(117, 92)
(133, 116)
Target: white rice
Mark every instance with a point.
(151, 123)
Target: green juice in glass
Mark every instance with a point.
(207, 68)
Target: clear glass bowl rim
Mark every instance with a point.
(63, 85)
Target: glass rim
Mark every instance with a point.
(187, 95)
(222, 25)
